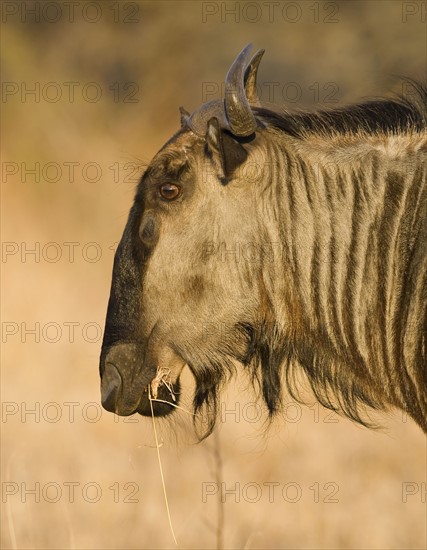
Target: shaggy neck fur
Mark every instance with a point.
(342, 207)
(349, 290)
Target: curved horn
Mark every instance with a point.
(198, 121)
(239, 114)
(250, 79)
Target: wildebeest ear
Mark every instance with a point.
(185, 115)
(227, 150)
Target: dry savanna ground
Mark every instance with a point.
(88, 96)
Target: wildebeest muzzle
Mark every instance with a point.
(129, 379)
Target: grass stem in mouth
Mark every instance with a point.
(162, 378)
(160, 466)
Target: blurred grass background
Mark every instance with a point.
(148, 58)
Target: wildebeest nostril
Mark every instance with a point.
(110, 386)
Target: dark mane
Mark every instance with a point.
(385, 116)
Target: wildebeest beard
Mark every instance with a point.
(212, 369)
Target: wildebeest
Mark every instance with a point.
(280, 242)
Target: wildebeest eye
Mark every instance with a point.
(169, 191)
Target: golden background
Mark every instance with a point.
(107, 81)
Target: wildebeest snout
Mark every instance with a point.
(123, 378)
(128, 370)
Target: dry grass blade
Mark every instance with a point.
(162, 378)
(10, 523)
(219, 480)
(217, 470)
(172, 405)
(160, 466)
(69, 524)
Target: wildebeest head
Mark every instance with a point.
(180, 296)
